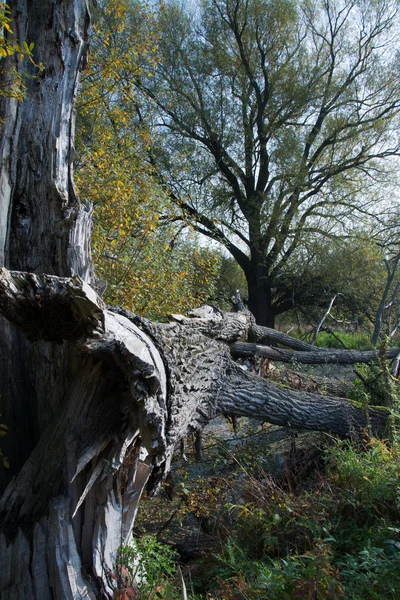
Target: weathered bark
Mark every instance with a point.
(43, 228)
(202, 378)
(37, 146)
(315, 357)
(72, 504)
(138, 387)
(243, 394)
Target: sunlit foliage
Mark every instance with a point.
(147, 264)
(12, 78)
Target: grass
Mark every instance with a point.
(341, 339)
(351, 341)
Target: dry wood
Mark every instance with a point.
(314, 357)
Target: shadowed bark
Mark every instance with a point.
(315, 357)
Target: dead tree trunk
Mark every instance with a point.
(43, 228)
(137, 390)
(315, 357)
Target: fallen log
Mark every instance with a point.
(314, 357)
(267, 335)
(137, 389)
(245, 395)
(309, 382)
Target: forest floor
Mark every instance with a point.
(271, 513)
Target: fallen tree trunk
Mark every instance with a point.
(309, 382)
(266, 335)
(139, 389)
(245, 395)
(314, 357)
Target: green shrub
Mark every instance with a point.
(148, 564)
(371, 575)
(368, 478)
(326, 540)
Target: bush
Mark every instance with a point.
(369, 478)
(371, 574)
(330, 539)
(149, 565)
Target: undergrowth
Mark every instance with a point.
(335, 535)
(321, 521)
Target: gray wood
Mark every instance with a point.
(314, 357)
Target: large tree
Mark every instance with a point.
(273, 119)
(96, 399)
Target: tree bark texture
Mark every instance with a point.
(43, 228)
(315, 357)
(138, 388)
(37, 146)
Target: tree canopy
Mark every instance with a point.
(272, 119)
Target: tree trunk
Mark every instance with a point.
(391, 268)
(260, 295)
(316, 357)
(43, 227)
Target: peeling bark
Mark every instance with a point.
(139, 389)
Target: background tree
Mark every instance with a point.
(386, 238)
(145, 262)
(323, 268)
(274, 119)
(229, 279)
